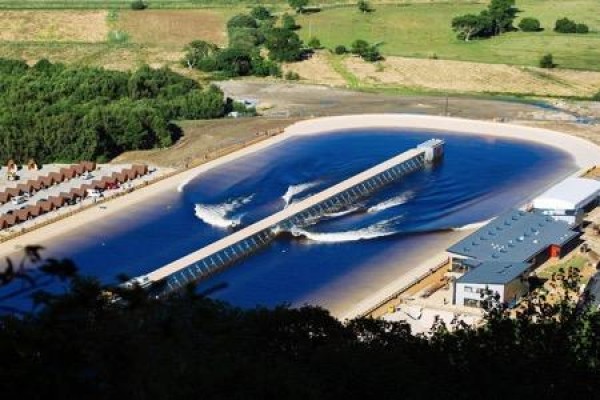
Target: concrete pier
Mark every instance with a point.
(230, 249)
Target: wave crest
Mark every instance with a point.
(294, 190)
(393, 202)
(377, 230)
(218, 215)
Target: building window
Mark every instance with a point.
(472, 303)
(468, 289)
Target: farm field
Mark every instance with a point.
(423, 31)
(175, 4)
(118, 39)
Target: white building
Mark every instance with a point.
(508, 281)
(568, 200)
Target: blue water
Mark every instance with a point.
(478, 179)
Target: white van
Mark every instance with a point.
(18, 200)
(94, 193)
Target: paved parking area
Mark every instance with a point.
(102, 170)
(64, 187)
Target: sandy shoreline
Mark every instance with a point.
(584, 154)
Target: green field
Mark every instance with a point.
(423, 30)
(174, 4)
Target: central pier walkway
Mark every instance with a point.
(224, 252)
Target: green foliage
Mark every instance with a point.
(138, 5)
(366, 51)
(565, 25)
(51, 112)
(314, 43)
(241, 21)
(469, 26)
(283, 45)
(288, 22)
(363, 6)
(246, 38)
(292, 76)
(118, 37)
(582, 28)
(340, 49)
(261, 13)
(495, 20)
(547, 61)
(359, 46)
(530, 25)
(80, 344)
(198, 52)
(298, 5)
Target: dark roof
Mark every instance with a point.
(493, 272)
(515, 236)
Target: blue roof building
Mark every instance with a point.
(493, 272)
(499, 256)
(515, 236)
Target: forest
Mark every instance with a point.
(57, 113)
(80, 344)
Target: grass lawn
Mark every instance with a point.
(577, 262)
(423, 30)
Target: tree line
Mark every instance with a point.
(81, 344)
(52, 112)
(499, 17)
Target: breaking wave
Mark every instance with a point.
(219, 215)
(342, 212)
(393, 202)
(377, 230)
(293, 190)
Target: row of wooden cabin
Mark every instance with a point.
(75, 195)
(42, 182)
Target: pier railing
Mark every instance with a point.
(227, 251)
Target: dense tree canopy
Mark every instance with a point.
(495, 20)
(283, 45)
(51, 112)
(82, 345)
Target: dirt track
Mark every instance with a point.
(283, 104)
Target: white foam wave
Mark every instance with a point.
(380, 229)
(342, 213)
(475, 225)
(393, 202)
(219, 214)
(293, 190)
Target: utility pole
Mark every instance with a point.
(446, 106)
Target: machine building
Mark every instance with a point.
(569, 200)
(501, 254)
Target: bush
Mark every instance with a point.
(363, 6)
(138, 5)
(359, 46)
(241, 21)
(288, 22)
(371, 54)
(581, 28)
(565, 25)
(261, 13)
(341, 49)
(547, 61)
(292, 76)
(529, 25)
(314, 43)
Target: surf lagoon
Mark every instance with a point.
(345, 256)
